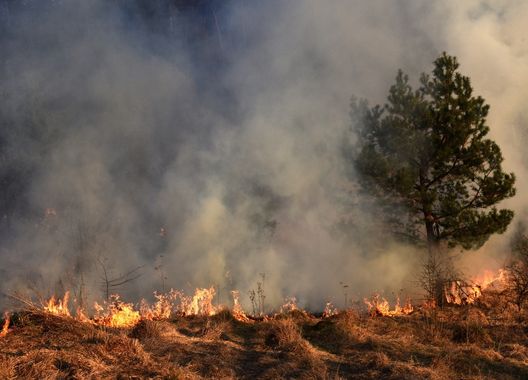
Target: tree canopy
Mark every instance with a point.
(425, 158)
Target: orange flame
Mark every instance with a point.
(238, 312)
(57, 306)
(162, 309)
(117, 313)
(489, 279)
(5, 328)
(379, 306)
(329, 310)
(199, 304)
(290, 304)
(81, 316)
(462, 293)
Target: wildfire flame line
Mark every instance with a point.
(116, 313)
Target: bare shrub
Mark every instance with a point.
(437, 271)
(258, 297)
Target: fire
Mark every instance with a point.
(117, 313)
(238, 312)
(489, 278)
(329, 310)
(290, 304)
(459, 293)
(5, 328)
(81, 316)
(199, 304)
(57, 306)
(429, 304)
(380, 306)
(463, 293)
(162, 308)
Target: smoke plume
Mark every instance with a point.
(201, 144)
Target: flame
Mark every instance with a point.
(290, 304)
(162, 309)
(57, 306)
(238, 312)
(462, 293)
(429, 304)
(199, 304)
(5, 328)
(380, 306)
(489, 278)
(117, 313)
(81, 316)
(329, 310)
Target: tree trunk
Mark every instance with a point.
(435, 270)
(432, 241)
(438, 280)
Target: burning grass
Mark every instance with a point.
(41, 345)
(181, 336)
(379, 306)
(5, 327)
(464, 342)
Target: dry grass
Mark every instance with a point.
(455, 343)
(43, 346)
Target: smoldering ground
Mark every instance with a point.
(202, 143)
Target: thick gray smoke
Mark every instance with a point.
(213, 164)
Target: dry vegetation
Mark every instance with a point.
(488, 340)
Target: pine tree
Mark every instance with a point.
(425, 157)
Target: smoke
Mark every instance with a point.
(201, 144)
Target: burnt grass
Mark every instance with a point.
(483, 341)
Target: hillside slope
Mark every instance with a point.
(461, 342)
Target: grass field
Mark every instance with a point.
(488, 340)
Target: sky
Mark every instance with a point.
(203, 147)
